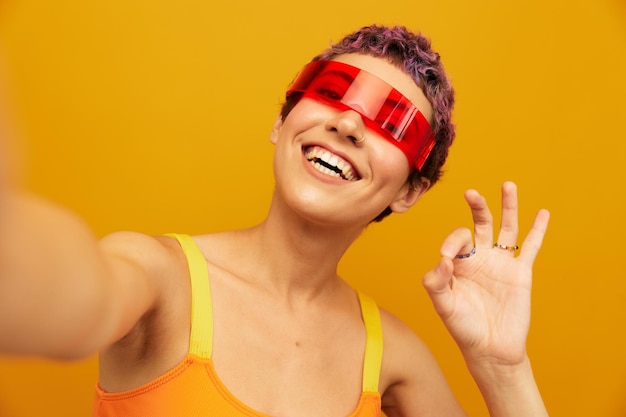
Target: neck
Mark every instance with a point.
(296, 257)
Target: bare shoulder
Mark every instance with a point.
(155, 258)
(140, 248)
(152, 266)
(412, 382)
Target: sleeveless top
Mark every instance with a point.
(193, 389)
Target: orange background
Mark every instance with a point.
(154, 116)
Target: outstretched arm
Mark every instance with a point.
(63, 294)
(482, 293)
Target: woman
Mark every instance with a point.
(257, 322)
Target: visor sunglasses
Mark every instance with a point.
(383, 108)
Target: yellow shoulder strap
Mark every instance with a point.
(201, 340)
(373, 344)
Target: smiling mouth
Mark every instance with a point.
(330, 164)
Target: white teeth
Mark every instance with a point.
(330, 164)
(326, 170)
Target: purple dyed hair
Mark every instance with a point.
(412, 53)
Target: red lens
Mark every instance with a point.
(384, 109)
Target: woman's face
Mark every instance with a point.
(323, 170)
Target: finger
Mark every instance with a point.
(509, 228)
(534, 239)
(483, 220)
(459, 242)
(438, 283)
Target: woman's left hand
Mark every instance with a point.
(483, 297)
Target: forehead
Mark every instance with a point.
(392, 75)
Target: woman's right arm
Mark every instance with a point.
(63, 293)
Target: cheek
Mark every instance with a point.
(389, 161)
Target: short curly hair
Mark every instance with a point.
(412, 53)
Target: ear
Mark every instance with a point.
(278, 123)
(409, 194)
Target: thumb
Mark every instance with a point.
(438, 283)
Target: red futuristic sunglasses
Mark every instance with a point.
(383, 108)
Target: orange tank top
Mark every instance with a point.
(193, 389)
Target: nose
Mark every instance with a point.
(348, 124)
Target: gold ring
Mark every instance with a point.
(505, 247)
(360, 140)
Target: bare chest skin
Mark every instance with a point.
(295, 358)
(287, 360)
